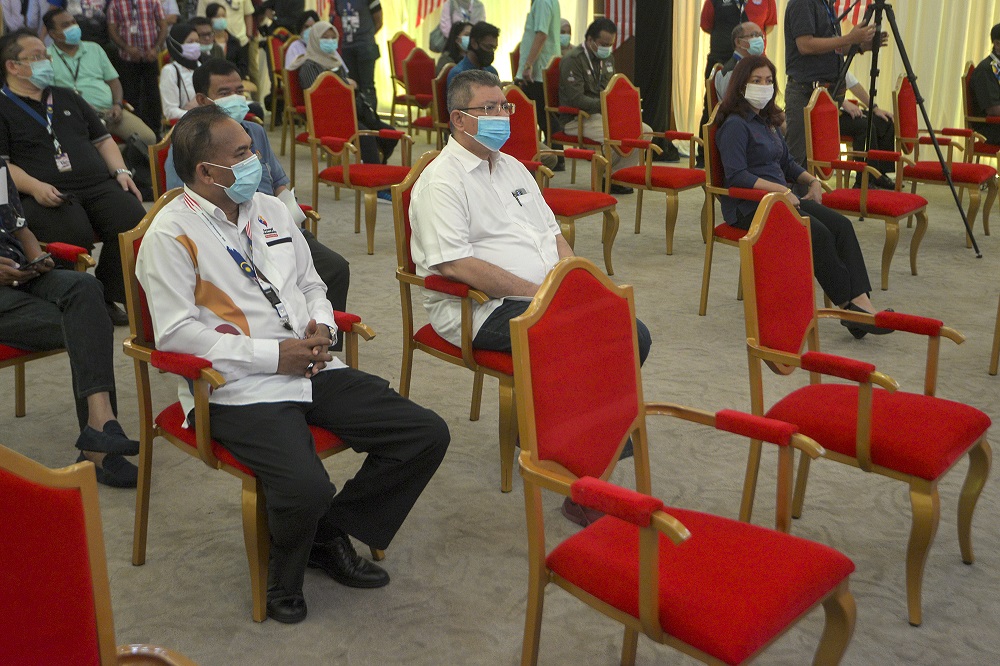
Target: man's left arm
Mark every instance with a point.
(248, 8)
(113, 158)
(376, 10)
(564, 249)
(309, 282)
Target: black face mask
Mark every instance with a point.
(484, 57)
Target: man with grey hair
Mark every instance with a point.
(748, 39)
(478, 217)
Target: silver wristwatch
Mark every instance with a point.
(127, 172)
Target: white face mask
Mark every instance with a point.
(758, 95)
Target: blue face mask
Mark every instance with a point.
(219, 24)
(247, 174)
(756, 46)
(305, 34)
(42, 74)
(492, 131)
(564, 39)
(328, 46)
(205, 48)
(603, 52)
(463, 42)
(72, 35)
(235, 106)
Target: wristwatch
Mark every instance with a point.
(119, 172)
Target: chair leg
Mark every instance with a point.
(671, 220)
(995, 356)
(973, 211)
(608, 235)
(926, 514)
(572, 173)
(477, 395)
(799, 498)
(141, 527)
(980, 459)
(406, 370)
(291, 163)
(783, 496)
(841, 613)
(20, 406)
(706, 276)
(377, 554)
(889, 249)
(918, 236)
(750, 481)
(638, 208)
(991, 195)
(258, 543)
(739, 289)
(537, 576)
(630, 644)
(357, 211)
(371, 200)
(284, 133)
(508, 434)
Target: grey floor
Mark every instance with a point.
(458, 564)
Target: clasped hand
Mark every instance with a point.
(305, 357)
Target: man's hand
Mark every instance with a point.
(851, 109)
(43, 266)
(152, 55)
(526, 73)
(303, 358)
(133, 52)
(863, 35)
(114, 114)
(47, 195)
(884, 115)
(815, 192)
(128, 185)
(12, 276)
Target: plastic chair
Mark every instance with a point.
(980, 147)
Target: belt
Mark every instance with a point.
(811, 85)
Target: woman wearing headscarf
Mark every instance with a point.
(321, 56)
(176, 88)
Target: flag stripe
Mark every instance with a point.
(622, 12)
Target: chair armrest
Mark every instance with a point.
(838, 366)
(624, 503)
(671, 135)
(573, 111)
(443, 285)
(578, 153)
(635, 143)
(747, 194)
(885, 155)
(188, 366)
(73, 254)
(351, 323)
(848, 165)
(956, 131)
(151, 654)
(766, 430)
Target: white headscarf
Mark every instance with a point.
(330, 61)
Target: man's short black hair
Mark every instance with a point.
(483, 29)
(202, 77)
(49, 19)
(10, 47)
(600, 25)
(995, 33)
(192, 139)
(195, 21)
(300, 21)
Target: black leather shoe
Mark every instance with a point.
(338, 558)
(117, 314)
(621, 189)
(860, 330)
(289, 609)
(114, 471)
(112, 440)
(560, 165)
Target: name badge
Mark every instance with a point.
(62, 163)
(133, 29)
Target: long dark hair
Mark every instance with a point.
(735, 102)
(451, 46)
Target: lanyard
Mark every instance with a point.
(741, 6)
(44, 122)
(832, 15)
(995, 65)
(246, 267)
(76, 72)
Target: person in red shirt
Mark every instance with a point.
(139, 28)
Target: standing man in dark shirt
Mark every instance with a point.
(814, 51)
(985, 84)
(718, 19)
(361, 19)
(67, 168)
(139, 28)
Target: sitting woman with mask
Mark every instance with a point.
(456, 46)
(321, 56)
(176, 89)
(755, 156)
(302, 27)
(230, 46)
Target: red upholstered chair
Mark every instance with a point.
(684, 578)
(867, 423)
(197, 441)
(295, 107)
(400, 46)
(715, 187)
(711, 94)
(332, 126)
(968, 176)
(822, 118)
(158, 153)
(439, 107)
(995, 355)
(515, 64)
(480, 362)
(980, 147)
(567, 205)
(622, 114)
(15, 357)
(54, 571)
(553, 109)
(418, 73)
(276, 53)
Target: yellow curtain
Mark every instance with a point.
(939, 38)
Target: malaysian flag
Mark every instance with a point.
(622, 12)
(855, 15)
(425, 7)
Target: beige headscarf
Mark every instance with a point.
(330, 61)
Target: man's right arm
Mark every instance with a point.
(813, 45)
(486, 277)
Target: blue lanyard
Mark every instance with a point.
(44, 122)
(832, 15)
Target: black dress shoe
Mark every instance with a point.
(288, 609)
(338, 558)
(117, 314)
(560, 165)
(860, 330)
(621, 189)
(114, 471)
(883, 182)
(111, 440)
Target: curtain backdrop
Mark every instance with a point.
(940, 36)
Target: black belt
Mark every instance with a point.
(811, 85)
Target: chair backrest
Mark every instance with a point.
(578, 401)
(418, 73)
(515, 63)
(551, 82)
(162, 58)
(967, 97)
(621, 109)
(53, 567)
(330, 110)
(711, 92)
(715, 174)
(523, 141)
(904, 103)
(399, 47)
(822, 118)
(281, 34)
(294, 95)
(158, 153)
(776, 270)
(439, 109)
(401, 212)
(140, 321)
(276, 50)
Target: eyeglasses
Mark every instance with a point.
(492, 109)
(37, 58)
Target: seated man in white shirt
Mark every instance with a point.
(229, 278)
(506, 242)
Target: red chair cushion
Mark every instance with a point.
(571, 203)
(713, 595)
(8, 353)
(172, 418)
(367, 175)
(426, 122)
(729, 232)
(493, 360)
(671, 178)
(422, 100)
(961, 172)
(984, 148)
(880, 202)
(911, 433)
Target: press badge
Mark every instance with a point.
(62, 162)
